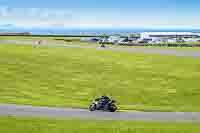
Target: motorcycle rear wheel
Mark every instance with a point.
(113, 108)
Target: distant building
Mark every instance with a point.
(113, 39)
(171, 40)
(192, 40)
(150, 35)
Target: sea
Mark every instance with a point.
(60, 31)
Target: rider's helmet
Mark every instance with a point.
(105, 98)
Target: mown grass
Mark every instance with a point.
(35, 38)
(41, 125)
(49, 40)
(27, 38)
(70, 77)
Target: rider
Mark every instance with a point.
(103, 100)
(102, 42)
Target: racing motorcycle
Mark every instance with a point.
(103, 104)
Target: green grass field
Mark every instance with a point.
(38, 125)
(68, 77)
(35, 38)
(27, 38)
(49, 40)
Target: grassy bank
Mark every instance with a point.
(33, 125)
(25, 38)
(73, 77)
(50, 40)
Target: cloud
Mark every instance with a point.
(34, 16)
(34, 12)
(45, 18)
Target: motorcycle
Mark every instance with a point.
(97, 105)
(102, 45)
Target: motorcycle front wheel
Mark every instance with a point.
(92, 107)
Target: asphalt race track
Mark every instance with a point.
(64, 113)
(195, 54)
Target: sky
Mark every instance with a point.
(101, 13)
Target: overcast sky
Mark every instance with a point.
(101, 13)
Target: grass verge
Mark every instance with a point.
(38, 125)
(70, 77)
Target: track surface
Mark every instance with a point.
(63, 113)
(135, 50)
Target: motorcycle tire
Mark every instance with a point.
(92, 107)
(113, 108)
